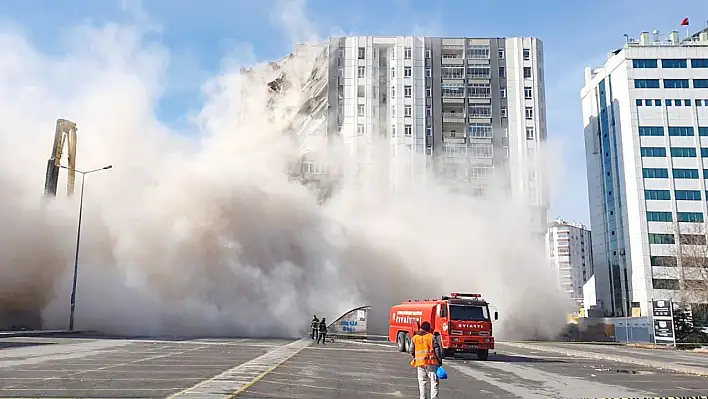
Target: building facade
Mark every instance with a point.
(569, 251)
(470, 109)
(645, 114)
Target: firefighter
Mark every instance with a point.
(314, 325)
(322, 331)
(427, 356)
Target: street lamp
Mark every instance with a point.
(78, 241)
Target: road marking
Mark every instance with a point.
(236, 380)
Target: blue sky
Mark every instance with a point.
(200, 33)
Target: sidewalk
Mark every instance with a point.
(674, 360)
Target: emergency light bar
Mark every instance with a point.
(457, 294)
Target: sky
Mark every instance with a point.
(201, 37)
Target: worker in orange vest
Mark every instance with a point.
(427, 356)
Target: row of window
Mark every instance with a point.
(681, 131)
(670, 63)
(681, 195)
(676, 152)
(663, 173)
(669, 102)
(670, 83)
(476, 51)
(689, 217)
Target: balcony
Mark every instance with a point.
(454, 137)
(453, 57)
(454, 117)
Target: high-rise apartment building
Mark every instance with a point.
(645, 114)
(473, 109)
(569, 251)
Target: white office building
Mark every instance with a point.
(472, 108)
(645, 114)
(569, 251)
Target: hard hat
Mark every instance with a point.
(442, 374)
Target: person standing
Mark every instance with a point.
(315, 325)
(322, 331)
(427, 356)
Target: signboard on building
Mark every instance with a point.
(663, 322)
(352, 322)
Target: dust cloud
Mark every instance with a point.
(201, 232)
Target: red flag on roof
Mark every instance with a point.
(684, 22)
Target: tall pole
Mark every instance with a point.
(78, 242)
(76, 256)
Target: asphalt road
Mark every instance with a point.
(253, 368)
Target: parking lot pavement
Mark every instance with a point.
(357, 370)
(253, 368)
(100, 368)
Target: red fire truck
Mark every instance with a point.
(462, 320)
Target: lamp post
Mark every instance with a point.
(78, 241)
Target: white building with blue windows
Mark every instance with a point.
(645, 114)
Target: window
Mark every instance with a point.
(651, 130)
(428, 53)
(698, 103)
(502, 112)
(362, 53)
(407, 72)
(360, 109)
(407, 111)
(669, 103)
(646, 84)
(529, 113)
(428, 92)
(393, 111)
(361, 71)
(690, 217)
(527, 72)
(661, 238)
(407, 53)
(448, 90)
(704, 152)
(393, 91)
(700, 83)
(638, 102)
(699, 63)
(502, 92)
(703, 131)
(653, 151)
(479, 130)
(479, 90)
(428, 131)
(657, 194)
(360, 130)
(527, 54)
(681, 131)
(361, 91)
(528, 93)
(428, 72)
(393, 72)
(659, 217)
(407, 91)
(676, 83)
(502, 72)
(501, 53)
(480, 111)
(448, 72)
(429, 150)
(668, 261)
(393, 130)
(685, 173)
(478, 51)
(408, 130)
(529, 133)
(481, 150)
(665, 284)
(688, 195)
(674, 64)
(647, 103)
(692, 239)
(478, 72)
(687, 103)
(641, 63)
(683, 152)
(428, 111)
(657, 103)
(655, 173)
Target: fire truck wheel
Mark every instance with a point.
(408, 342)
(483, 354)
(401, 341)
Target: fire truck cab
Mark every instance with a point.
(460, 321)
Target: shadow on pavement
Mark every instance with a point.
(500, 357)
(9, 345)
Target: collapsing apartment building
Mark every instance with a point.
(466, 109)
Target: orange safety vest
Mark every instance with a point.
(424, 352)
